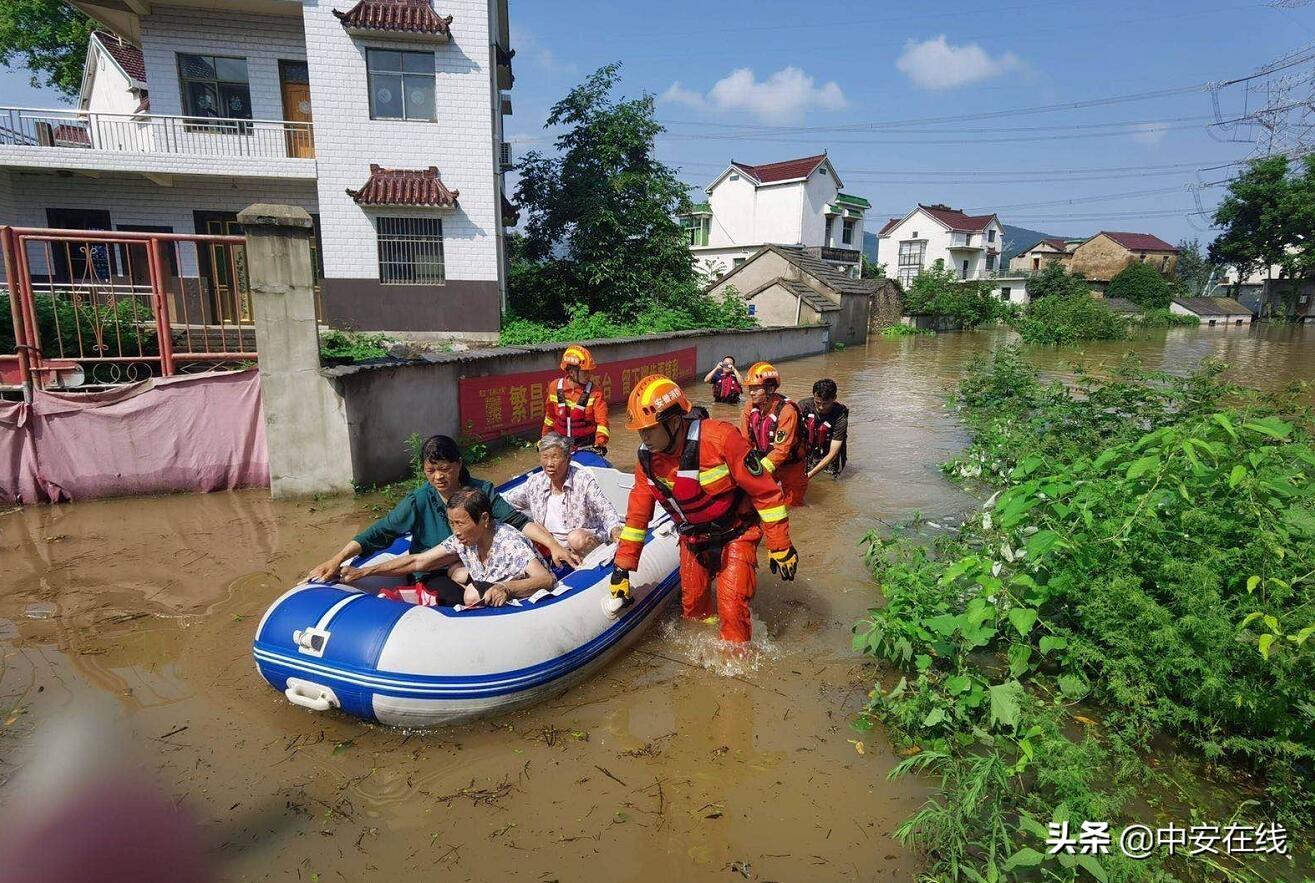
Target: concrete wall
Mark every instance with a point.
(111, 91)
(1041, 255)
(775, 305)
(384, 405)
(1101, 258)
(849, 325)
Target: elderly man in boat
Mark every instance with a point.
(566, 500)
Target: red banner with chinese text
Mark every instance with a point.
(507, 404)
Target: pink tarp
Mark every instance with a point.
(193, 433)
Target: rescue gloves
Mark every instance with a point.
(783, 561)
(621, 586)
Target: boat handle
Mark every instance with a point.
(320, 701)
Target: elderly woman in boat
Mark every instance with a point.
(566, 500)
(424, 515)
(497, 562)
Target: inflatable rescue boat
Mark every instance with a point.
(339, 646)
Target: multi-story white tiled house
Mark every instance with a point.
(382, 118)
(967, 245)
(794, 202)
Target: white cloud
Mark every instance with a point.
(527, 45)
(783, 96)
(935, 64)
(1149, 133)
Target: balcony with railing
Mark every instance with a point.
(73, 139)
(966, 241)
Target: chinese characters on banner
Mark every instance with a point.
(507, 404)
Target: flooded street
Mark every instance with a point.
(660, 767)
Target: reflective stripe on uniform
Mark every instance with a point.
(774, 514)
(602, 430)
(768, 465)
(708, 476)
(633, 534)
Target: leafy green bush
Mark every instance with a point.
(1166, 319)
(729, 312)
(1054, 280)
(1064, 319)
(1142, 284)
(939, 292)
(353, 346)
(902, 330)
(1148, 554)
(125, 328)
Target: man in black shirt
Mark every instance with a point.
(825, 425)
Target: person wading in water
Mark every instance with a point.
(774, 428)
(575, 407)
(722, 500)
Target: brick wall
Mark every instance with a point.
(884, 306)
(1101, 258)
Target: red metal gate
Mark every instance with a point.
(94, 308)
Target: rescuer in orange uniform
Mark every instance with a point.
(774, 428)
(722, 500)
(575, 408)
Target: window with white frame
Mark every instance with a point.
(847, 231)
(990, 235)
(911, 254)
(401, 84)
(410, 251)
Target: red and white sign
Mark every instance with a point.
(507, 404)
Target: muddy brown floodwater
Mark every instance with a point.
(660, 768)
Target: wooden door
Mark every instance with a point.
(294, 80)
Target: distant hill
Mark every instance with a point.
(1019, 238)
(1016, 239)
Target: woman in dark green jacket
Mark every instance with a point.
(423, 514)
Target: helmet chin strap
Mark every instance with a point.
(671, 433)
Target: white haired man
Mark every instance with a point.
(566, 500)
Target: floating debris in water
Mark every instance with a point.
(40, 610)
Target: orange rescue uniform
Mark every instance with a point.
(569, 412)
(776, 433)
(755, 508)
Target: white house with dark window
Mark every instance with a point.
(796, 202)
(967, 245)
(382, 118)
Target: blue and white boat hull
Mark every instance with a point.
(336, 646)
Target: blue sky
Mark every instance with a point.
(755, 81)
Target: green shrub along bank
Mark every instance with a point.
(940, 292)
(902, 330)
(1139, 582)
(1069, 318)
(1143, 285)
(353, 346)
(729, 312)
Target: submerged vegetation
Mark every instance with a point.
(728, 312)
(1069, 318)
(901, 330)
(1139, 581)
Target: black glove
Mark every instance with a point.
(784, 562)
(621, 587)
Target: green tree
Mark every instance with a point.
(872, 270)
(49, 38)
(939, 292)
(1142, 284)
(1054, 280)
(1257, 217)
(1194, 268)
(601, 230)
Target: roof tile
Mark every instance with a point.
(956, 219)
(1139, 241)
(127, 55)
(410, 16)
(417, 187)
(786, 170)
(890, 225)
(1212, 306)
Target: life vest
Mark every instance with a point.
(699, 501)
(762, 428)
(817, 430)
(574, 420)
(726, 387)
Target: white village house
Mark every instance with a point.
(968, 245)
(381, 118)
(796, 202)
